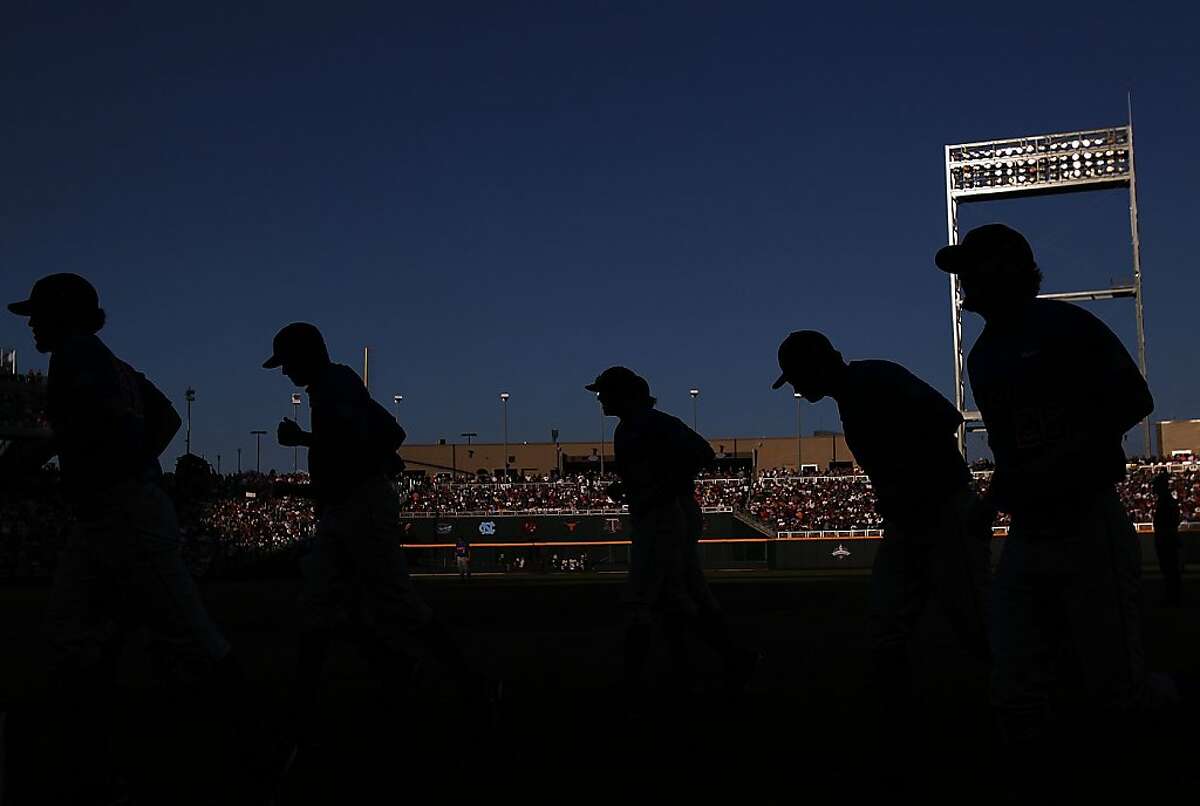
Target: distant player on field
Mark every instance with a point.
(462, 557)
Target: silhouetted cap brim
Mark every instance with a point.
(272, 362)
(593, 387)
(22, 308)
(955, 259)
(782, 380)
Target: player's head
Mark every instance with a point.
(809, 363)
(995, 265)
(300, 350)
(1162, 484)
(60, 306)
(621, 391)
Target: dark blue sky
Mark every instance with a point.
(510, 197)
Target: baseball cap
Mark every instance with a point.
(620, 380)
(981, 243)
(799, 346)
(298, 338)
(60, 293)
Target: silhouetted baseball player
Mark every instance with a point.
(1057, 391)
(657, 459)
(121, 567)
(936, 541)
(1166, 539)
(357, 585)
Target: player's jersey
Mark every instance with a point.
(461, 550)
(356, 439)
(1046, 382)
(657, 458)
(101, 411)
(902, 433)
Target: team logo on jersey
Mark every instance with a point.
(487, 528)
(841, 552)
(444, 529)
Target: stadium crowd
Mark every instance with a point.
(237, 521)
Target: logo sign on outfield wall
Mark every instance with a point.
(841, 552)
(444, 529)
(612, 525)
(487, 528)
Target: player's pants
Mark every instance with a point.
(937, 558)
(663, 566)
(464, 566)
(358, 561)
(122, 568)
(1068, 584)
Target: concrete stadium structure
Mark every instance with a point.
(542, 458)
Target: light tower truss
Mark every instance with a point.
(1041, 165)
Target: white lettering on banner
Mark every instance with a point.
(841, 552)
(487, 528)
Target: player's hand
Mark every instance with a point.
(290, 434)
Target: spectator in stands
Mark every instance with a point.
(936, 543)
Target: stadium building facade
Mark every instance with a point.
(1178, 438)
(820, 451)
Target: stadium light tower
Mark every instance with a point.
(296, 417)
(397, 399)
(258, 435)
(504, 406)
(189, 397)
(468, 435)
(1039, 165)
(695, 393)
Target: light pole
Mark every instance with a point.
(601, 434)
(397, 399)
(296, 418)
(469, 435)
(798, 397)
(504, 405)
(189, 396)
(239, 450)
(695, 393)
(218, 464)
(258, 435)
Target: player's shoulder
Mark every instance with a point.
(873, 373)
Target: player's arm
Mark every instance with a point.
(161, 418)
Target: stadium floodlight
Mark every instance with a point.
(296, 417)
(258, 435)
(1039, 165)
(504, 405)
(799, 464)
(695, 393)
(189, 397)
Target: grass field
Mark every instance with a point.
(802, 728)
